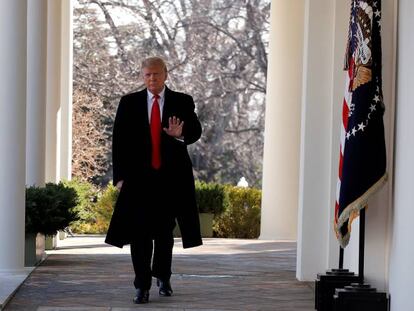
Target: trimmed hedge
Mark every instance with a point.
(236, 210)
(210, 197)
(241, 219)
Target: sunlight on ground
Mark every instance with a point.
(94, 244)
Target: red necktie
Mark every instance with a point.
(155, 123)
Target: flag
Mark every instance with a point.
(362, 163)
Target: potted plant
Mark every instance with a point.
(48, 209)
(211, 201)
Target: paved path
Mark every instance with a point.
(84, 274)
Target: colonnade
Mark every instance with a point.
(35, 118)
(305, 88)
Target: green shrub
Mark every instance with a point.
(104, 208)
(87, 194)
(96, 209)
(50, 208)
(210, 197)
(241, 219)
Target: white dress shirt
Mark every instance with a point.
(150, 101)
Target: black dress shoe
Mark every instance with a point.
(142, 296)
(165, 288)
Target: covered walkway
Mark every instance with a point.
(84, 274)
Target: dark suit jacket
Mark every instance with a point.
(131, 157)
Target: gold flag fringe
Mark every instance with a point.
(352, 211)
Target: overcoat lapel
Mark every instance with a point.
(142, 111)
(167, 107)
(141, 104)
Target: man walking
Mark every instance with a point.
(153, 171)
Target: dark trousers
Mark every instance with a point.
(151, 251)
(152, 257)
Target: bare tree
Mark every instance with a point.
(87, 137)
(216, 51)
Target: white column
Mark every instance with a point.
(12, 132)
(402, 253)
(66, 89)
(315, 202)
(36, 92)
(53, 91)
(340, 26)
(282, 123)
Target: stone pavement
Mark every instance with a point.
(84, 274)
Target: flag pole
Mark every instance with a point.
(361, 244)
(341, 258)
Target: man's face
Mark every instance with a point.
(154, 78)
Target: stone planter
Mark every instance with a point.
(30, 250)
(51, 242)
(62, 235)
(206, 226)
(40, 247)
(34, 249)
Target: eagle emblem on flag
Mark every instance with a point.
(362, 163)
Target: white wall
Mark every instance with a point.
(402, 251)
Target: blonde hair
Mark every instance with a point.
(153, 61)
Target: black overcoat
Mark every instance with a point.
(131, 159)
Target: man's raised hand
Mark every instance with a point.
(175, 127)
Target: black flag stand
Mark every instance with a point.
(359, 295)
(326, 284)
